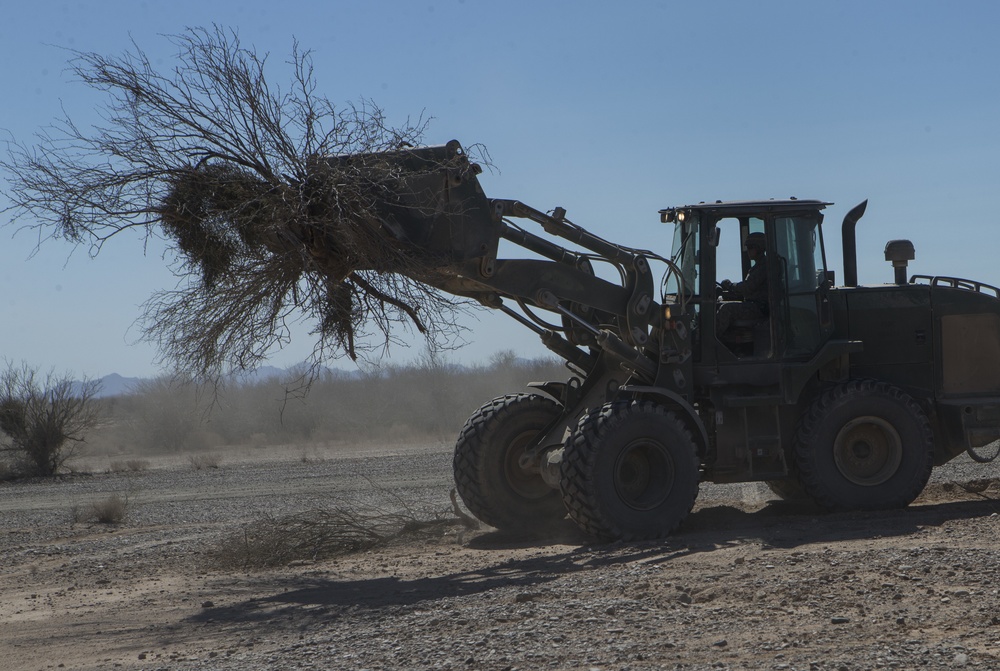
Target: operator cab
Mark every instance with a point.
(789, 318)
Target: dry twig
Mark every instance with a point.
(324, 533)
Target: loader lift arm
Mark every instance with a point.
(442, 215)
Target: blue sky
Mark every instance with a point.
(611, 110)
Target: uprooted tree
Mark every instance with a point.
(269, 196)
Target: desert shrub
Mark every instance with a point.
(44, 419)
(202, 462)
(111, 510)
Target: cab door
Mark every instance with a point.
(802, 321)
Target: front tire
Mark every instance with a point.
(630, 471)
(864, 445)
(488, 475)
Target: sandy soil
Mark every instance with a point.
(749, 583)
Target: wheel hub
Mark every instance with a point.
(644, 475)
(521, 478)
(868, 451)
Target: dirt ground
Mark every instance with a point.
(749, 583)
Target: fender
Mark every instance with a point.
(674, 400)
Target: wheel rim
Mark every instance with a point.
(644, 475)
(868, 451)
(525, 483)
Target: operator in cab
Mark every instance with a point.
(751, 292)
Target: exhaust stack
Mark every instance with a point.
(850, 243)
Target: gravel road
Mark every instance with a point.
(749, 583)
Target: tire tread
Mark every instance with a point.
(809, 427)
(577, 475)
(469, 452)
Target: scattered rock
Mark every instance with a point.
(701, 600)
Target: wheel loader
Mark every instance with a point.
(845, 395)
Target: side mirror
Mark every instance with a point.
(714, 236)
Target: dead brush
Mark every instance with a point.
(239, 177)
(324, 533)
(111, 510)
(202, 462)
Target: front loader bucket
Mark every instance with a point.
(433, 202)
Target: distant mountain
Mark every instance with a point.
(111, 385)
(285, 375)
(116, 385)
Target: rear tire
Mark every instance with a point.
(488, 477)
(864, 445)
(630, 471)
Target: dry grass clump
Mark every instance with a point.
(112, 510)
(202, 462)
(323, 533)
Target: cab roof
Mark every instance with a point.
(737, 207)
